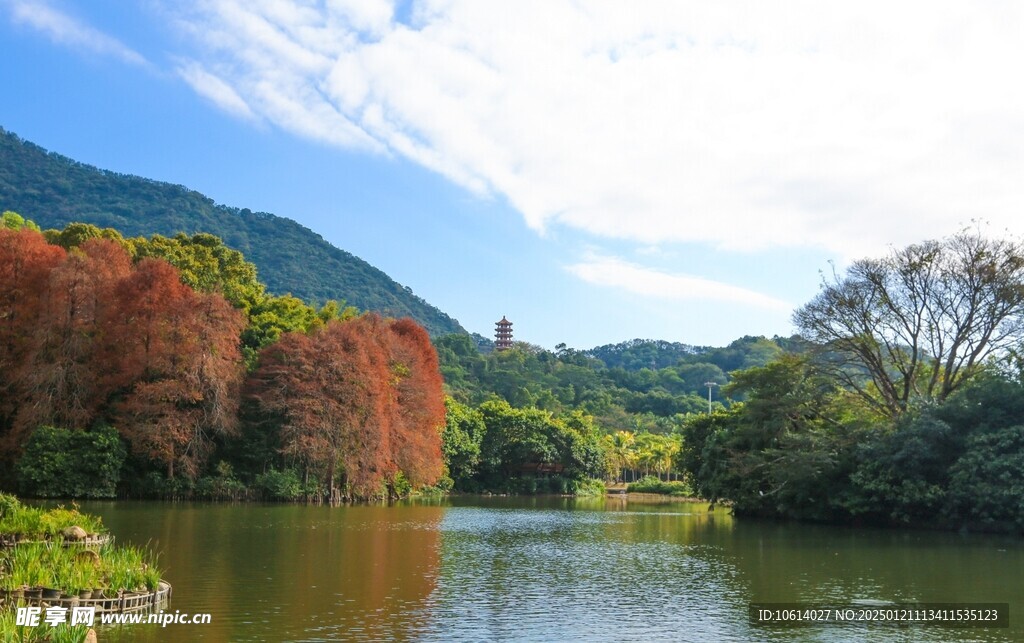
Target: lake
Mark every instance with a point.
(472, 568)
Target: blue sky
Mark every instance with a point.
(594, 171)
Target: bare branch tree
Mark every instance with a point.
(920, 322)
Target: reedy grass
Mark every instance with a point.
(33, 523)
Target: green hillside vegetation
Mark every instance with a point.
(631, 397)
(55, 191)
(528, 420)
(899, 406)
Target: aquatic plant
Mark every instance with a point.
(19, 522)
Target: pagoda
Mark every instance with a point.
(502, 334)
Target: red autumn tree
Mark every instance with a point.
(338, 395)
(328, 391)
(420, 410)
(178, 357)
(26, 261)
(60, 374)
(359, 379)
(85, 335)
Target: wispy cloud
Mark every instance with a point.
(215, 89)
(742, 125)
(613, 272)
(66, 30)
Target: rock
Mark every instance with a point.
(88, 555)
(74, 533)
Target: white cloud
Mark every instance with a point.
(65, 30)
(613, 272)
(215, 89)
(844, 126)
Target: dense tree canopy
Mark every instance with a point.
(14, 221)
(463, 432)
(637, 399)
(179, 349)
(357, 402)
(891, 411)
(900, 415)
(204, 263)
(26, 261)
(522, 448)
(90, 335)
(98, 329)
(772, 454)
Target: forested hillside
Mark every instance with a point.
(637, 385)
(53, 191)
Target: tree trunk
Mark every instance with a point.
(331, 491)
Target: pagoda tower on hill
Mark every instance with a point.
(502, 334)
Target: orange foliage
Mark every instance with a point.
(361, 398)
(59, 373)
(178, 353)
(417, 449)
(86, 335)
(26, 261)
(85, 329)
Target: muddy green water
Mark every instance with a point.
(543, 569)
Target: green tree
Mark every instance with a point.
(578, 443)
(206, 264)
(532, 444)
(74, 235)
(61, 463)
(14, 221)
(953, 465)
(985, 486)
(514, 439)
(902, 476)
(461, 437)
(787, 451)
(619, 452)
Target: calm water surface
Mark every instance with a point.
(543, 569)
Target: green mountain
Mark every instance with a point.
(54, 190)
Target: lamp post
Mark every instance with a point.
(710, 385)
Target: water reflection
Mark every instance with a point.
(287, 572)
(542, 569)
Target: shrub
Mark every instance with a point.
(443, 487)
(651, 484)
(985, 489)
(589, 487)
(8, 503)
(55, 521)
(59, 463)
(223, 486)
(33, 523)
(400, 485)
(279, 485)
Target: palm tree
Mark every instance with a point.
(619, 447)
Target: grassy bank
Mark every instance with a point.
(651, 484)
